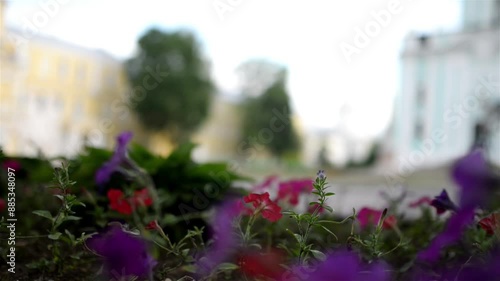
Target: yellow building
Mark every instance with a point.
(54, 95)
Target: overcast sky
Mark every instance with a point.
(305, 36)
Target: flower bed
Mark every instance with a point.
(131, 215)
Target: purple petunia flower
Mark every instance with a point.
(475, 179)
(443, 203)
(484, 271)
(120, 155)
(345, 266)
(123, 253)
(225, 242)
(452, 233)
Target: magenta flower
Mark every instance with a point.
(289, 191)
(443, 203)
(120, 155)
(266, 184)
(123, 253)
(369, 216)
(11, 163)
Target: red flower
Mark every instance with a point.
(142, 198)
(259, 265)
(368, 216)
(2, 205)
(389, 222)
(153, 225)
(118, 202)
(123, 205)
(426, 200)
(490, 223)
(261, 203)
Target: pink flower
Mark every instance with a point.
(425, 200)
(266, 184)
(290, 191)
(262, 204)
(368, 216)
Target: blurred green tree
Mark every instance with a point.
(267, 113)
(171, 85)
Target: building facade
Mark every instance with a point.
(55, 96)
(450, 96)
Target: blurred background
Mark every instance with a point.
(381, 93)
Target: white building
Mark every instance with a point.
(449, 84)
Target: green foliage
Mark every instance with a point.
(186, 189)
(306, 221)
(175, 84)
(370, 160)
(269, 113)
(62, 185)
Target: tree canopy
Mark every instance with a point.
(171, 86)
(267, 115)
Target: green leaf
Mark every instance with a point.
(60, 197)
(313, 203)
(298, 237)
(43, 213)
(318, 255)
(258, 246)
(328, 230)
(189, 268)
(55, 236)
(72, 218)
(81, 204)
(228, 266)
(329, 194)
(328, 208)
(70, 235)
